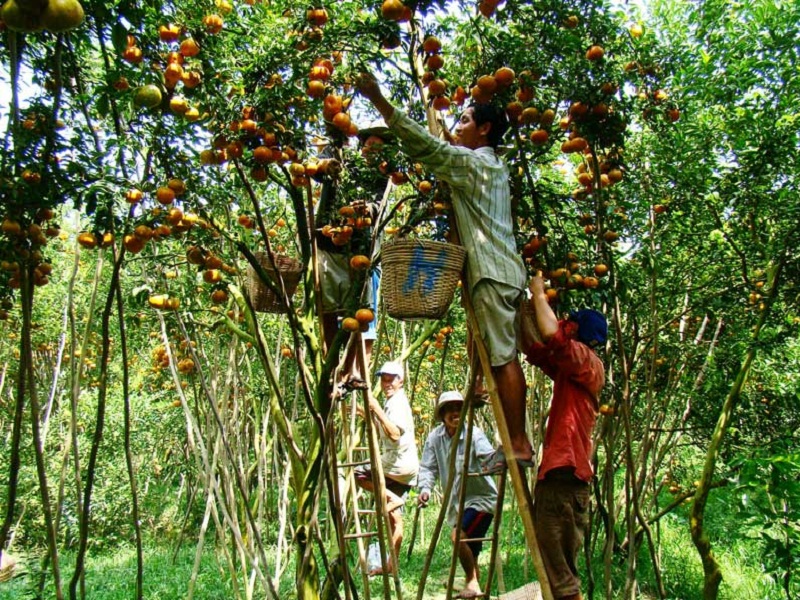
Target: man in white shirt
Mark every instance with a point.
(398, 449)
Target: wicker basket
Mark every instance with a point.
(263, 298)
(420, 277)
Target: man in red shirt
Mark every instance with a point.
(561, 498)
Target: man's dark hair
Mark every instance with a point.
(491, 113)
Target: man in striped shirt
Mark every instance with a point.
(482, 207)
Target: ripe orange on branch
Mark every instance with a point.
(350, 324)
(365, 316)
(595, 53)
(431, 45)
(360, 262)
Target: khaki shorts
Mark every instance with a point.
(561, 516)
(497, 310)
(335, 281)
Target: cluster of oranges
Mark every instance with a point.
(566, 277)
(214, 270)
(608, 173)
(351, 217)
(395, 10)
(438, 342)
(28, 242)
(175, 70)
(251, 130)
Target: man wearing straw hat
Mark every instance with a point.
(481, 493)
(478, 178)
(398, 448)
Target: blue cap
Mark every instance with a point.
(592, 326)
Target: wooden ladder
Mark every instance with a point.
(356, 511)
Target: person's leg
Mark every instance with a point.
(396, 533)
(510, 381)
(469, 563)
(496, 309)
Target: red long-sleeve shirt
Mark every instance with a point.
(578, 377)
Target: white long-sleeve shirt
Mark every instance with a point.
(435, 464)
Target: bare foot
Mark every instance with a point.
(471, 591)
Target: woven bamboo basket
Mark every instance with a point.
(420, 277)
(262, 297)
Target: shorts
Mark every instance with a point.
(561, 516)
(497, 310)
(475, 524)
(335, 282)
(398, 489)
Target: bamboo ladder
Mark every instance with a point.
(518, 480)
(381, 516)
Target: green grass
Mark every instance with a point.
(111, 574)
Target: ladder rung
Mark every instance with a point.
(354, 536)
(360, 448)
(480, 474)
(483, 539)
(353, 464)
(366, 511)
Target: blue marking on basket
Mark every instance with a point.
(425, 270)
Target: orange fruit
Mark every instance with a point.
(86, 238)
(177, 186)
(165, 195)
(317, 16)
(590, 283)
(212, 276)
(539, 137)
(133, 243)
(441, 103)
(157, 300)
(600, 269)
(365, 316)
(61, 15)
(219, 296)
(316, 88)
(169, 33)
(437, 87)
(350, 324)
(189, 47)
(595, 53)
(392, 10)
(134, 196)
(359, 262)
(431, 45)
(133, 55)
(487, 83)
(514, 110)
(504, 76)
(435, 62)
(147, 96)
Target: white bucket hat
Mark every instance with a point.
(447, 398)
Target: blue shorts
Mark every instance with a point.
(475, 524)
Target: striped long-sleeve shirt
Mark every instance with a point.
(481, 200)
